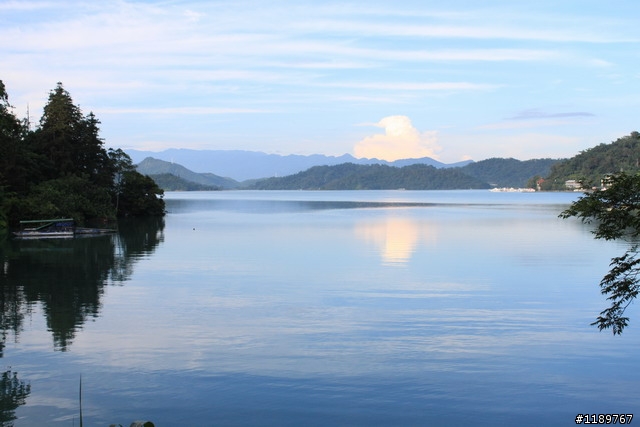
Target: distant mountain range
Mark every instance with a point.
(418, 176)
(217, 169)
(244, 165)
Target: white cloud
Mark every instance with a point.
(401, 140)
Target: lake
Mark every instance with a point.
(289, 308)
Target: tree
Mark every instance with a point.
(9, 134)
(615, 211)
(140, 196)
(592, 164)
(121, 163)
(69, 142)
(94, 161)
(69, 197)
(16, 162)
(56, 138)
(62, 168)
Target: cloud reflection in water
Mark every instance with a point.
(395, 237)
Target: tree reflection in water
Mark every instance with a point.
(67, 276)
(14, 393)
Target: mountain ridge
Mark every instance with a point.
(351, 176)
(484, 174)
(243, 165)
(153, 167)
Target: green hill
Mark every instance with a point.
(153, 167)
(593, 164)
(170, 182)
(349, 176)
(509, 172)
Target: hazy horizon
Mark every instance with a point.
(326, 155)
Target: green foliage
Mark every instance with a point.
(153, 167)
(621, 284)
(60, 139)
(170, 182)
(614, 209)
(69, 196)
(349, 176)
(509, 172)
(4, 222)
(62, 168)
(594, 164)
(615, 212)
(140, 196)
(14, 158)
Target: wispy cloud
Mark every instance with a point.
(181, 111)
(473, 31)
(416, 86)
(333, 59)
(534, 118)
(535, 114)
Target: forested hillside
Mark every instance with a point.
(153, 167)
(509, 172)
(61, 168)
(170, 182)
(349, 176)
(594, 164)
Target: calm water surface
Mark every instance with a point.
(319, 308)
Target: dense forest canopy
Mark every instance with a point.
(170, 182)
(349, 176)
(61, 169)
(158, 168)
(593, 165)
(510, 172)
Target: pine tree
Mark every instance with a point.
(69, 142)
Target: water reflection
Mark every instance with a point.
(13, 393)
(67, 276)
(175, 204)
(13, 307)
(136, 238)
(396, 238)
(289, 315)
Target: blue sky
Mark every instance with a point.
(450, 80)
